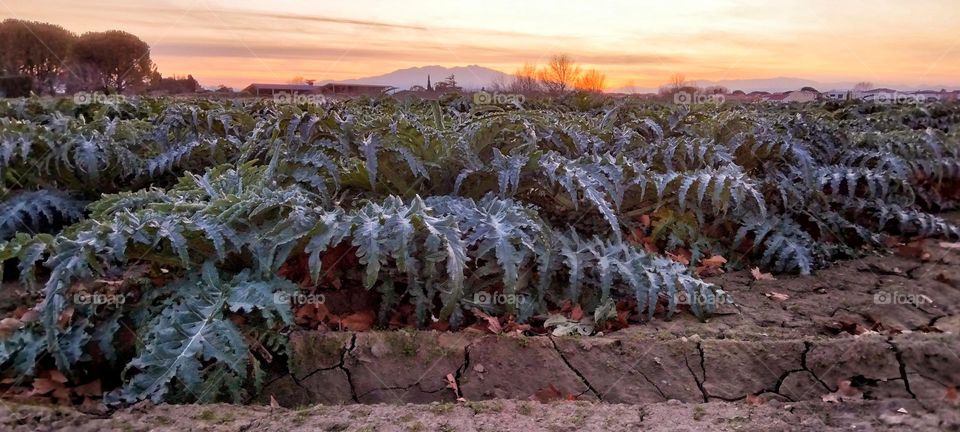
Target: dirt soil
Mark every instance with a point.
(499, 415)
(886, 326)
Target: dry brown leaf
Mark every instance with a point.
(9, 326)
(43, 386)
(758, 275)
(714, 261)
(57, 376)
(577, 313)
(452, 384)
(775, 296)
(360, 321)
(680, 258)
(951, 395)
(493, 324)
(755, 400)
(91, 389)
(548, 394)
(273, 402)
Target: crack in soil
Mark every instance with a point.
(583, 379)
(902, 366)
(343, 366)
(703, 391)
(462, 370)
(807, 346)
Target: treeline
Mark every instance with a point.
(49, 59)
(560, 75)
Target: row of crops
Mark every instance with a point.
(199, 213)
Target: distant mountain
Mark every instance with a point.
(782, 84)
(469, 77)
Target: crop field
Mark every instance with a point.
(164, 249)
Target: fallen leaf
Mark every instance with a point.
(712, 266)
(775, 296)
(913, 250)
(903, 410)
(57, 376)
(714, 261)
(951, 395)
(43, 386)
(273, 402)
(452, 384)
(493, 324)
(758, 275)
(8, 326)
(577, 313)
(548, 394)
(360, 321)
(755, 400)
(92, 389)
(681, 256)
(65, 317)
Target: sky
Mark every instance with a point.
(635, 43)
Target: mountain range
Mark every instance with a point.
(472, 77)
(475, 77)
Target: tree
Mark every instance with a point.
(525, 80)
(34, 49)
(677, 82)
(111, 61)
(297, 80)
(592, 81)
(560, 74)
(863, 86)
(448, 85)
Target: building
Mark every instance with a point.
(272, 89)
(839, 95)
(330, 89)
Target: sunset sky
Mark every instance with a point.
(638, 43)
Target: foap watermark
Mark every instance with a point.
(284, 98)
(687, 98)
(99, 299)
(299, 298)
(491, 299)
(684, 298)
(899, 298)
(485, 98)
(85, 98)
(897, 98)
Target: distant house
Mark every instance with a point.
(931, 95)
(331, 89)
(336, 89)
(840, 95)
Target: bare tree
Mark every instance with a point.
(863, 86)
(592, 81)
(677, 82)
(297, 80)
(525, 80)
(560, 74)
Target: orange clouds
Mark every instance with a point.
(642, 43)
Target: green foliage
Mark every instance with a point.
(436, 202)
